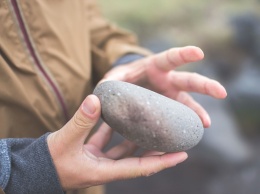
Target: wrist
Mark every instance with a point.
(128, 58)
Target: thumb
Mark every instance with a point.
(80, 125)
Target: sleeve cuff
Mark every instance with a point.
(127, 59)
(32, 168)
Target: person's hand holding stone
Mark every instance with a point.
(83, 164)
(157, 72)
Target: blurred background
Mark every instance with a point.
(227, 160)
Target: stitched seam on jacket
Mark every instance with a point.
(55, 88)
(21, 43)
(59, 96)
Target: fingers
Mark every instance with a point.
(136, 167)
(186, 99)
(101, 137)
(80, 125)
(126, 148)
(175, 57)
(193, 82)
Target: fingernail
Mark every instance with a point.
(183, 159)
(89, 106)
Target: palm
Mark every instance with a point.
(119, 158)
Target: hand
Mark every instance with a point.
(81, 165)
(157, 73)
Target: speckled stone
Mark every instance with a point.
(152, 121)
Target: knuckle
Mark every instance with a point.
(82, 122)
(195, 74)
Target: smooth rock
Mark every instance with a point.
(152, 121)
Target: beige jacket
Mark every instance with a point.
(52, 53)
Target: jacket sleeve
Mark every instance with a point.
(26, 167)
(108, 42)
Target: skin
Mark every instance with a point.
(82, 164)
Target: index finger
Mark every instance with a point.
(172, 58)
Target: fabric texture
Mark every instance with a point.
(28, 167)
(5, 164)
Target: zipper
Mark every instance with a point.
(37, 62)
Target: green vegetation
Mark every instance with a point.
(190, 21)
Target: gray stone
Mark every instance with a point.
(152, 121)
